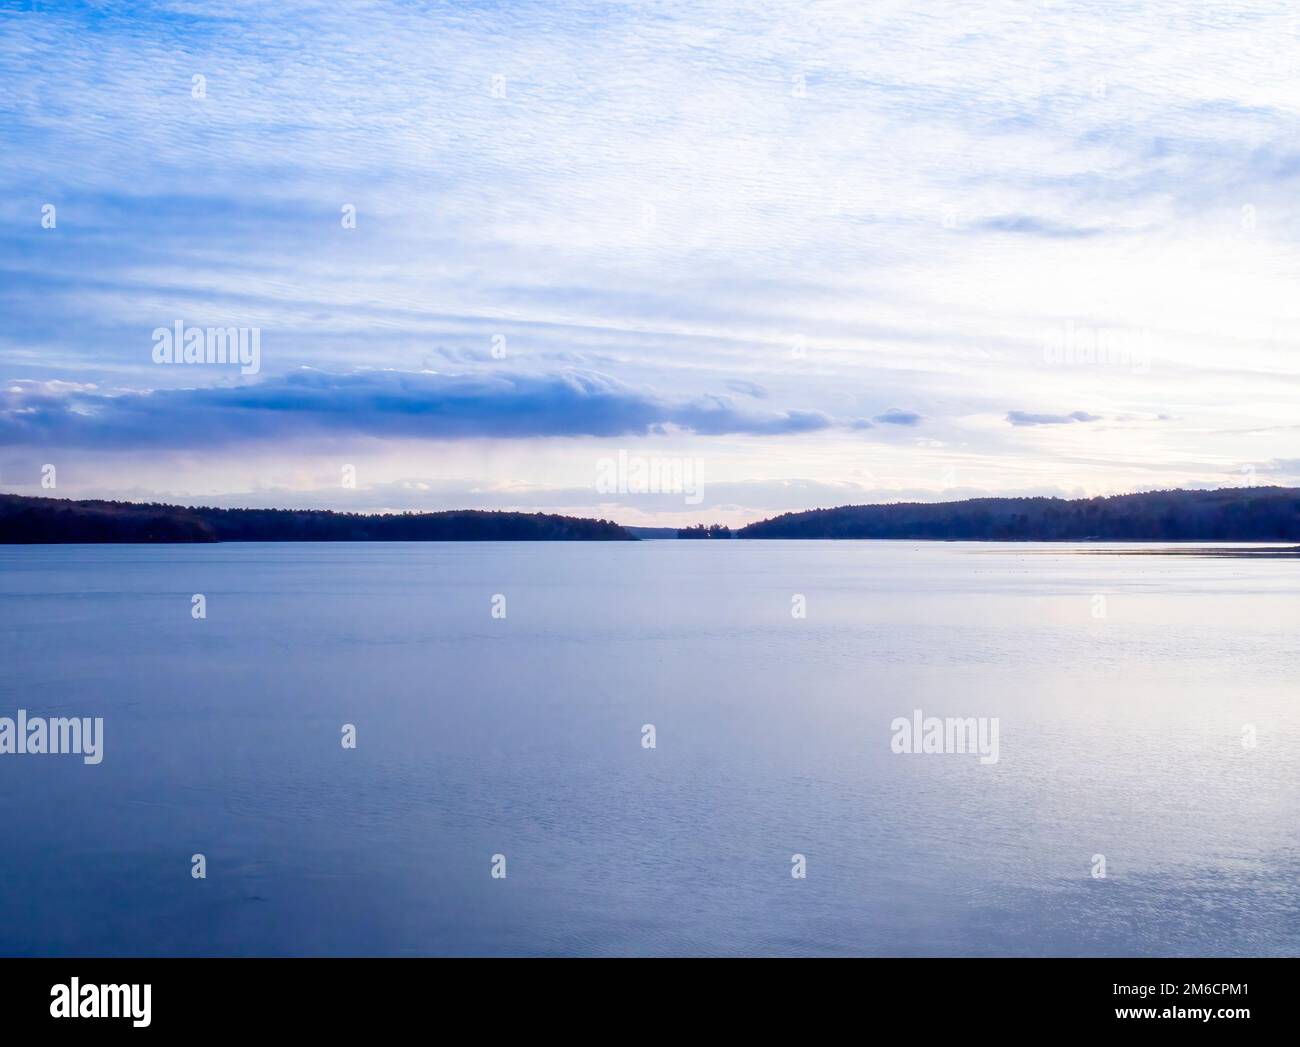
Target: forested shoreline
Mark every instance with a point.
(25, 520)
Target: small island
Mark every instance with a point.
(700, 531)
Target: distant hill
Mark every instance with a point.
(48, 520)
(652, 532)
(1236, 514)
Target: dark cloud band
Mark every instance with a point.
(380, 403)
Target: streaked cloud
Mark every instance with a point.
(372, 403)
(1030, 418)
(897, 416)
(1032, 226)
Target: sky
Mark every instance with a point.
(662, 263)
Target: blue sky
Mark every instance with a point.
(831, 252)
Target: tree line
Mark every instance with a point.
(41, 520)
(1240, 514)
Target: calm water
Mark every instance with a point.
(1120, 736)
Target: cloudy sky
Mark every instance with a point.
(822, 252)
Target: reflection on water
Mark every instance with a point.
(1147, 711)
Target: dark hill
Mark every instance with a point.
(1235, 514)
(46, 520)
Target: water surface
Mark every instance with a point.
(1120, 735)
